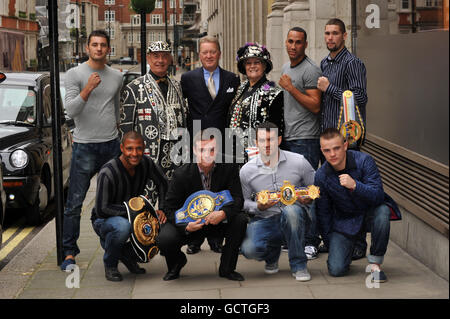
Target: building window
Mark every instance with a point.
(405, 4)
(113, 51)
(110, 2)
(111, 32)
(156, 19)
(172, 4)
(130, 37)
(159, 4)
(110, 15)
(136, 19)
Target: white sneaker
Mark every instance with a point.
(311, 252)
(271, 268)
(302, 275)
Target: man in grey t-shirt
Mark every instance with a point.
(301, 100)
(93, 101)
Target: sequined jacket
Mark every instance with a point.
(146, 110)
(265, 103)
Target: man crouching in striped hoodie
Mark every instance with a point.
(118, 181)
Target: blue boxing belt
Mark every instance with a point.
(201, 204)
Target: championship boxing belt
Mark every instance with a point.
(288, 194)
(349, 126)
(144, 227)
(201, 204)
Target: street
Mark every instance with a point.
(33, 273)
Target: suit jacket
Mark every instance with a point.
(212, 113)
(187, 180)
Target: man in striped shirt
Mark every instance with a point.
(118, 181)
(341, 71)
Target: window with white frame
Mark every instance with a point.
(159, 4)
(405, 4)
(136, 19)
(111, 32)
(172, 4)
(110, 2)
(130, 37)
(156, 19)
(110, 16)
(113, 51)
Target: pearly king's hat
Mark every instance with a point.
(159, 46)
(253, 50)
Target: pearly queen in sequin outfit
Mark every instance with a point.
(145, 109)
(255, 104)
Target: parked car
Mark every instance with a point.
(62, 89)
(2, 205)
(26, 145)
(127, 60)
(127, 78)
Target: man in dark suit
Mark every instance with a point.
(209, 91)
(228, 220)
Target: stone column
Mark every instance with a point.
(275, 38)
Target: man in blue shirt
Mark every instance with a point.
(274, 223)
(351, 200)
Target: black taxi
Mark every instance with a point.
(26, 147)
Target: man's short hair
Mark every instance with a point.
(338, 22)
(331, 133)
(209, 39)
(267, 126)
(99, 33)
(132, 135)
(298, 29)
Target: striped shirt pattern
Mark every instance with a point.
(345, 72)
(115, 186)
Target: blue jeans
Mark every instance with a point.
(309, 148)
(265, 236)
(114, 233)
(87, 159)
(341, 246)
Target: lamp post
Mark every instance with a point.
(143, 7)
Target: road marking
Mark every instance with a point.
(14, 242)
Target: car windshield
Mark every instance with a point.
(17, 104)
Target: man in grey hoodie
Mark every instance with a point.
(93, 101)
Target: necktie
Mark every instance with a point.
(211, 86)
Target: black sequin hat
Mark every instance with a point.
(253, 50)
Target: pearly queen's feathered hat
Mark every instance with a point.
(159, 46)
(253, 50)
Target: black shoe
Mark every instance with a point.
(235, 276)
(174, 273)
(132, 266)
(113, 274)
(192, 249)
(323, 249)
(358, 253)
(216, 247)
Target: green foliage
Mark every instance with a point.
(142, 6)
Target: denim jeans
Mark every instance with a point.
(113, 233)
(265, 236)
(341, 246)
(309, 148)
(87, 159)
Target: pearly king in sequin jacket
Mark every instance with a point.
(145, 110)
(264, 104)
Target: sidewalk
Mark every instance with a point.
(34, 274)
